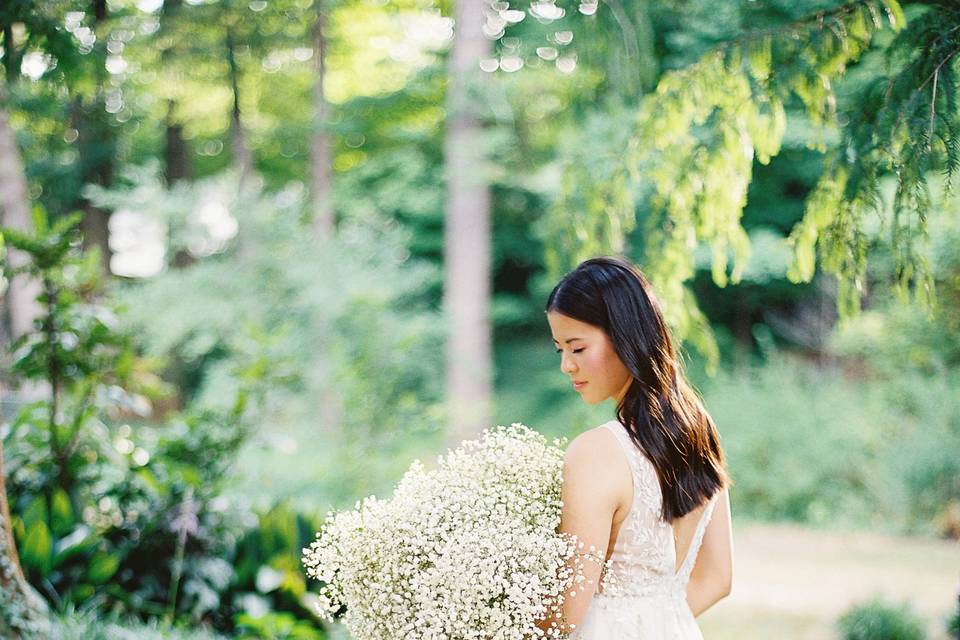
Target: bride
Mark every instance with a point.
(646, 493)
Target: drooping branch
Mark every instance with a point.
(690, 159)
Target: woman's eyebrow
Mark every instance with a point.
(570, 340)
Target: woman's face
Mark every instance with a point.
(587, 356)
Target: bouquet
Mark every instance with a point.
(466, 551)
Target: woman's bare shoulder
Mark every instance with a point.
(594, 450)
(594, 462)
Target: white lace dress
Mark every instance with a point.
(643, 596)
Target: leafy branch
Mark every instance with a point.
(688, 160)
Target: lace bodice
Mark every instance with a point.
(643, 562)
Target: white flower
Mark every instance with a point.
(466, 551)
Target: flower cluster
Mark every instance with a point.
(466, 551)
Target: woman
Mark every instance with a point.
(646, 493)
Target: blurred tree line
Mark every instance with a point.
(307, 211)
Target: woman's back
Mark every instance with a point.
(642, 594)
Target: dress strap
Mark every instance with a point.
(687, 566)
(629, 449)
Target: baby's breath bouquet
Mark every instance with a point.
(466, 551)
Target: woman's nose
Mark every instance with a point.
(566, 364)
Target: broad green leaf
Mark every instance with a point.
(37, 552)
(61, 513)
(102, 567)
(35, 512)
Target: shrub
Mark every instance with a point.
(953, 623)
(269, 574)
(276, 626)
(876, 620)
(95, 503)
(843, 452)
(802, 444)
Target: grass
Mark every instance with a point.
(793, 582)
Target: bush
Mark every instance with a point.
(269, 575)
(104, 514)
(150, 532)
(876, 620)
(276, 626)
(802, 444)
(810, 444)
(953, 624)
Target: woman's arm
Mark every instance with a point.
(590, 499)
(712, 575)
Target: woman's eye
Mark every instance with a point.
(574, 351)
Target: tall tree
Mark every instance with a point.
(242, 156)
(321, 159)
(467, 242)
(323, 220)
(97, 141)
(19, 606)
(176, 153)
(20, 301)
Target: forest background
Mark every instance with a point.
(259, 256)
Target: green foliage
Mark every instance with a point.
(95, 503)
(907, 127)
(876, 620)
(785, 421)
(953, 624)
(87, 625)
(843, 452)
(279, 322)
(689, 160)
(276, 626)
(269, 577)
(87, 366)
(138, 495)
(914, 353)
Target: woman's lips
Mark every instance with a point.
(579, 385)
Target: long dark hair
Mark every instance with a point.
(662, 413)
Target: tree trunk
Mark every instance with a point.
(20, 301)
(21, 609)
(176, 155)
(467, 243)
(97, 146)
(12, 54)
(242, 157)
(324, 226)
(321, 170)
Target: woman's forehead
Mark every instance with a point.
(565, 328)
